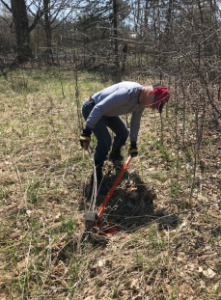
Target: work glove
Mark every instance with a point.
(133, 149)
(85, 138)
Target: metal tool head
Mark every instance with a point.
(91, 216)
(90, 220)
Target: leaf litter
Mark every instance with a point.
(167, 245)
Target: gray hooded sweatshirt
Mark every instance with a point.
(119, 99)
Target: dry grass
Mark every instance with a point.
(168, 243)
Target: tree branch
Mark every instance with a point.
(7, 22)
(36, 20)
(6, 5)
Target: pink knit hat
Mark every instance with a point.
(162, 97)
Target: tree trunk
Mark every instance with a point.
(48, 32)
(20, 18)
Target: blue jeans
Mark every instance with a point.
(116, 124)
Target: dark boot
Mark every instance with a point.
(115, 154)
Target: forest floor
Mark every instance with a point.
(166, 207)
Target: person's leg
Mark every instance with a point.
(117, 125)
(101, 133)
(103, 144)
(102, 149)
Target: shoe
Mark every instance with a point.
(115, 154)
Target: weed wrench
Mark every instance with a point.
(91, 217)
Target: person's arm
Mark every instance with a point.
(134, 129)
(135, 125)
(119, 98)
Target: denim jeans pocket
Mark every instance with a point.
(86, 109)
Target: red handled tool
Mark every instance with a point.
(92, 218)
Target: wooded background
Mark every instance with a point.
(176, 39)
(173, 35)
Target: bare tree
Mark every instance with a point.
(18, 9)
(55, 13)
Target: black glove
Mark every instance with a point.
(133, 149)
(85, 138)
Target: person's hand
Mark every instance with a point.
(85, 138)
(133, 149)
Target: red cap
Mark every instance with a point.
(162, 97)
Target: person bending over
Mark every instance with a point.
(103, 110)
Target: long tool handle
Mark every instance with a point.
(110, 193)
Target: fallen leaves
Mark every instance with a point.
(209, 273)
